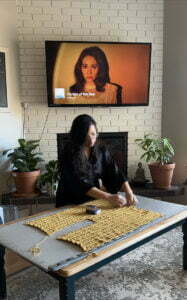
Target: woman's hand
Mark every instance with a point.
(117, 200)
(131, 199)
(120, 201)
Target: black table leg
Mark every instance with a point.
(184, 229)
(67, 289)
(3, 291)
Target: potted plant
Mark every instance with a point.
(50, 177)
(25, 161)
(161, 151)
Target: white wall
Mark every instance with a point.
(109, 20)
(10, 122)
(175, 82)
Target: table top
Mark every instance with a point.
(130, 241)
(67, 258)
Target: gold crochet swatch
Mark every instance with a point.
(109, 224)
(55, 222)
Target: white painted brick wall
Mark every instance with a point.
(109, 20)
(63, 4)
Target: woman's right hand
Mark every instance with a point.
(117, 200)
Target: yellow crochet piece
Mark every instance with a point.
(55, 222)
(109, 224)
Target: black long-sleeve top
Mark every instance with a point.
(73, 186)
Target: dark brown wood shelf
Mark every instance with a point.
(9, 198)
(150, 191)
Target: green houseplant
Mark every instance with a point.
(50, 177)
(25, 159)
(159, 152)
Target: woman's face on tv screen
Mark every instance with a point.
(89, 68)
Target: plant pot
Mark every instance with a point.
(161, 175)
(26, 182)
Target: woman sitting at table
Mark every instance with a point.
(85, 165)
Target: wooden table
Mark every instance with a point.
(66, 274)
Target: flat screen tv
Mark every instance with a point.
(97, 73)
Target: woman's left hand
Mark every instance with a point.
(131, 199)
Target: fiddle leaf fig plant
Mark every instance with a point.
(157, 149)
(25, 158)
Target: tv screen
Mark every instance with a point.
(97, 73)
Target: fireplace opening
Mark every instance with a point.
(116, 143)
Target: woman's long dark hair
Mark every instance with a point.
(103, 73)
(77, 137)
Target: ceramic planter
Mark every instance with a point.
(26, 182)
(161, 174)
